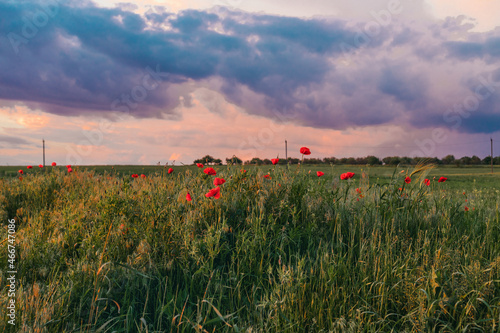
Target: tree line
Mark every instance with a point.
(368, 160)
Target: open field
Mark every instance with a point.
(98, 250)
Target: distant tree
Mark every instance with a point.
(234, 160)
(466, 160)
(256, 161)
(475, 160)
(267, 161)
(330, 160)
(449, 159)
(391, 160)
(487, 160)
(372, 160)
(207, 159)
(217, 161)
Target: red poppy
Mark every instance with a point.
(21, 172)
(466, 208)
(40, 166)
(320, 173)
(407, 180)
(29, 167)
(68, 166)
(442, 179)
(143, 176)
(199, 165)
(170, 170)
(188, 197)
(210, 171)
(133, 175)
(427, 182)
(275, 160)
(243, 171)
(305, 151)
(266, 176)
(70, 170)
(400, 188)
(54, 163)
(215, 192)
(219, 181)
(358, 190)
(347, 175)
(20, 178)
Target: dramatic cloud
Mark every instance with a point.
(76, 58)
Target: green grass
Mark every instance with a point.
(100, 251)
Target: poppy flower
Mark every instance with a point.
(215, 192)
(320, 173)
(188, 197)
(210, 171)
(347, 175)
(70, 170)
(358, 190)
(29, 167)
(466, 208)
(407, 180)
(40, 166)
(199, 165)
(427, 182)
(133, 175)
(21, 172)
(170, 170)
(305, 151)
(275, 160)
(266, 176)
(54, 163)
(68, 166)
(243, 171)
(219, 181)
(20, 178)
(442, 179)
(143, 176)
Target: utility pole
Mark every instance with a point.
(43, 144)
(286, 152)
(491, 140)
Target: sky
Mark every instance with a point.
(169, 81)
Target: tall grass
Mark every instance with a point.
(294, 253)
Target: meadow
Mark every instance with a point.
(281, 249)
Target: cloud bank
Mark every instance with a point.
(76, 58)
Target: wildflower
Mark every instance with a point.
(210, 171)
(466, 208)
(407, 180)
(135, 175)
(70, 170)
(188, 197)
(275, 160)
(68, 166)
(266, 176)
(219, 181)
(199, 165)
(243, 171)
(29, 167)
(54, 164)
(215, 192)
(427, 182)
(40, 166)
(20, 178)
(442, 179)
(305, 151)
(170, 170)
(347, 175)
(358, 190)
(21, 172)
(143, 176)
(320, 173)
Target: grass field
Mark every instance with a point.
(98, 250)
